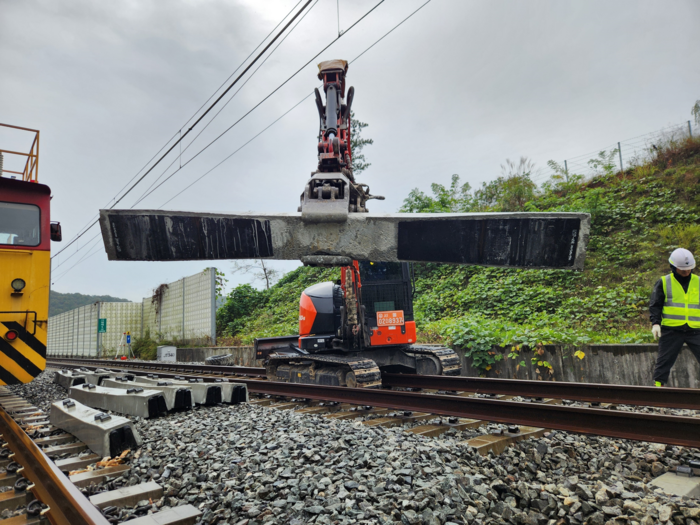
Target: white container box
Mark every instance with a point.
(167, 353)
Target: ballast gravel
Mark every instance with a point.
(255, 465)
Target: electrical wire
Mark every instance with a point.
(64, 261)
(269, 95)
(290, 109)
(146, 192)
(210, 97)
(269, 125)
(237, 150)
(211, 106)
(82, 259)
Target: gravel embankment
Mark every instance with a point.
(252, 465)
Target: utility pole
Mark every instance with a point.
(566, 171)
(690, 130)
(619, 151)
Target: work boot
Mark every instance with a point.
(658, 383)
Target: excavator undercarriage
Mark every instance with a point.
(362, 369)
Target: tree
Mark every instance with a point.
(357, 143)
(696, 112)
(509, 192)
(605, 163)
(453, 200)
(239, 305)
(261, 271)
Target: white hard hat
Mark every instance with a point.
(682, 259)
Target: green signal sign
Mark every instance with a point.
(101, 326)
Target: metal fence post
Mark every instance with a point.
(619, 151)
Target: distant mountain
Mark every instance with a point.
(62, 302)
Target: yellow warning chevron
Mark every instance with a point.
(22, 359)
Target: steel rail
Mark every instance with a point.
(687, 398)
(674, 430)
(592, 392)
(67, 505)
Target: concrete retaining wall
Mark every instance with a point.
(608, 364)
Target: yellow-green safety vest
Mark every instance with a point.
(681, 307)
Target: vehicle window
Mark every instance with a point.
(380, 271)
(20, 224)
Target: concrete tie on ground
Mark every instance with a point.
(127, 496)
(104, 434)
(68, 378)
(677, 485)
(136, 401)
(176, 396)
(182, 515)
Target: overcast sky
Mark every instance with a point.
(458, 88)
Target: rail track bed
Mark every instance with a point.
(285, 458)
(575, 407)
(281, 459)
(50, 476)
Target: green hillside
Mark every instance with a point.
(638, 217)
(62, 302)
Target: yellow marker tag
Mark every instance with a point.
(298, 374)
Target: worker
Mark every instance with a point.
(674, 311)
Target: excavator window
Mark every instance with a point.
(380, 271)
(385, 287)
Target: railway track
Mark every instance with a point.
(48, 490)
(668, 429)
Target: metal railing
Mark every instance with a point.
(31, 167)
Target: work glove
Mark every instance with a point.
(656, 331)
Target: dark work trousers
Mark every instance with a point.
(670, 344)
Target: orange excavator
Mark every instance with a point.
(350, 331)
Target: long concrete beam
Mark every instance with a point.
(523, 240)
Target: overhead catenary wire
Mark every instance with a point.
(65, 260)
(269, 125)
(290, 109)
(146, 192)
(269, 95)
(211, 106)
(91, 222)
